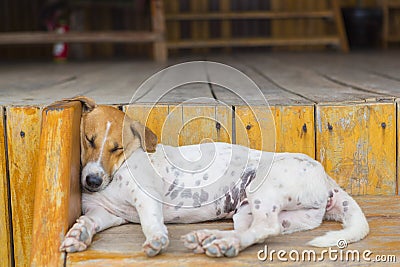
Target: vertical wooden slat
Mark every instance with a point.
(223, 116)
(255, 127)
(202, 124)
(172, 126)
(151, 116)
(57, 197)
(283, 129)
(5, 238)
(295, 129)
(357, 146)
(160, 52)
(23, 131)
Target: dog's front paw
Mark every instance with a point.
(196, 240)
(77, 238)
(224, 247)
(155, 245)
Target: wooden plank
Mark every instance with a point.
(5, 229)
(249, 42)
(44, 83)
(23, 132)
(383, 239)
(205, 124)
(58, 195)
(151, 116)
(182, 125)
(352, 71)
(247, 86)
(78, 37)
(280, 128)
(172, 126)
(297, 76)
(255, 127)
(295, 129)
(226, 14)
(357, 146)
(180, 83)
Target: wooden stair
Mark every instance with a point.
(56, 206)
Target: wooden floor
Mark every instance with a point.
(284, 79)
(122, 246)
(341, 109)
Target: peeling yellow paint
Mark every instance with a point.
(57, 202)
(357, 146)
(280, 128)
(23, 132)
(152, 116)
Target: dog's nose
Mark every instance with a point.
(93, 180)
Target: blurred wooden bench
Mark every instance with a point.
(57, 204)
(156, 36)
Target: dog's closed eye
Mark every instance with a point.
(116, 148)
(91, 141)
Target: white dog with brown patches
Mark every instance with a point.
(266, 194)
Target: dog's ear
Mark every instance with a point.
(148, 139)
(88, 104)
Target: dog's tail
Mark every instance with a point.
(345, 209)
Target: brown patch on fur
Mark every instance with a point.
(147, 137)
(125, 135)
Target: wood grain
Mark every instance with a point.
(382, 240)
(295, 129)
(276, 128)
(255, 127)
(58, 196)
(5, 229)
(357, 146)
(151, 116)
(23, 132)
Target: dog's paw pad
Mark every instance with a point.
(197, 239)
(228, 247)
(155, 245)
(71, 245)
(77, 238)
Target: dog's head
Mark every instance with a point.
(108, 136)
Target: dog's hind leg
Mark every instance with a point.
(265, 223)
(196, 240)
(242, 218)
(81, 233)
(300, 220)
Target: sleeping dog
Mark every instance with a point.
(128, 177)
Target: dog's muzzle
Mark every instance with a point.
(93, 177)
